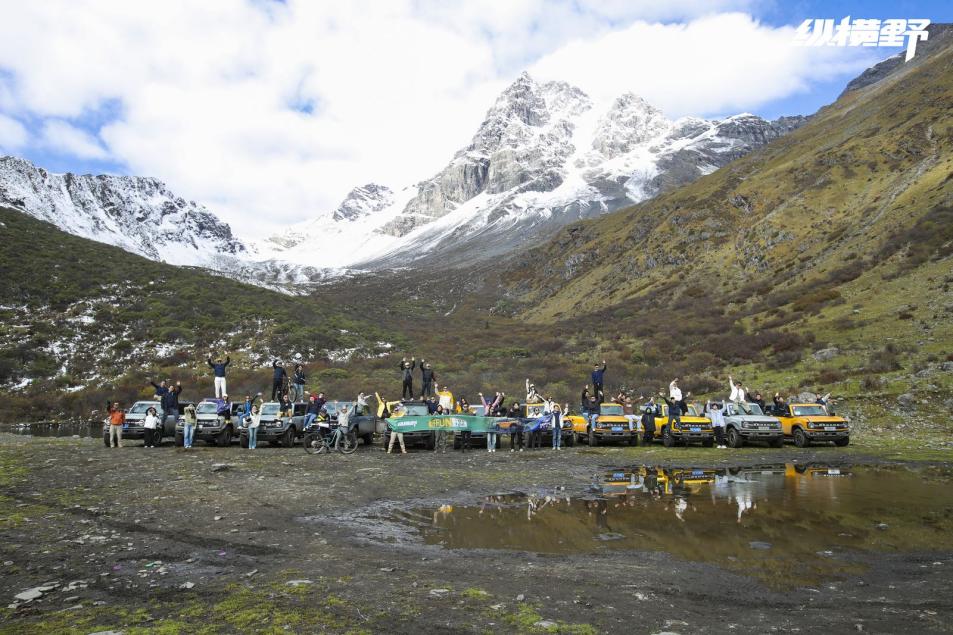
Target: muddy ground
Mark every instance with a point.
(274, 540)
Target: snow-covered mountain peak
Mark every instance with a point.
(629, 122)
(139, 214)
(362, 201)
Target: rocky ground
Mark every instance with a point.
(229, 540)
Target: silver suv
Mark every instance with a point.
(747, 422)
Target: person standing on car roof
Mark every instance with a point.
(161, 391)
(188, 429)
(598, 377)
(674, 410)
(117, 419)
(427, 377)
(407, 377)
(218, 369)
(737, 391)
(278, 379)
(297, 384)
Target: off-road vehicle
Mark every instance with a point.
(807, 423)
(274, 428)
(211, 427)
(746, 422)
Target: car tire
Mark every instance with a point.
(106, 439)
(368, 439)
(667, 439)
(243, 441)
(224, 438)
(431, 442)
(634, 439)
(571, 440)
(288, 438)
(842, 443)
(179, 439)
(801, 439)
(708, 443)
(735, 440)
(592, 440)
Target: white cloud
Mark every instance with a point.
(13, 135)
(60, 136)
(210, 95)
(714, 64)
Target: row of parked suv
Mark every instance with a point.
(221, 424)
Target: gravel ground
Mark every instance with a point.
(274, 540)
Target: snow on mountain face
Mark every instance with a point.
(545, 157)
(137, 214)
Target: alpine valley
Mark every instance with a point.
(800, 253)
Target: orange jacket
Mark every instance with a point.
(117, 417)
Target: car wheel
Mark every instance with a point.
(106, 439)
(224, 438)
(593, 442)
(735, 439)
(157, 438)
(667, 439)
(800, 438)
(707, 443)
(570, 440)
(179, 439)
(842, 442)
(243, 441)
(368, 439)
(288, 438)
(431, 441)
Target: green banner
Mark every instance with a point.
(451, 423)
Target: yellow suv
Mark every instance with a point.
(807, 423)
(694, 427)
(609, 425)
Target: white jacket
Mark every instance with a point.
(717, 417)
(150, 422)
(255, 420)
(737, 394)
(674, 392)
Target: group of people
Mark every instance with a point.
(290, 389)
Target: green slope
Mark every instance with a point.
(82, 321)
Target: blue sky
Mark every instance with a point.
(271, 112)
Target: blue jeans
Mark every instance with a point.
(557, 438)
(252, 438)
(188, 435)
(490, 440)
(309, 419)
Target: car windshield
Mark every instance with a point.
(809, 411)
(270, 409)
(141, 407)
(612, 410)
(206, 408)
(753, 409)
(693, 411)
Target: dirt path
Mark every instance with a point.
(226, 540)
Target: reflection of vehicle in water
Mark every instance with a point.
(610, 425)
(807, 423)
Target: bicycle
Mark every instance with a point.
(322, 437)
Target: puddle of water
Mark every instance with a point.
(783, 524)
(81, 429)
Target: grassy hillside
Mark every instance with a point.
(837, 235)
(82, 321)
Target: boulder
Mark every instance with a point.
(906, 400)
(826, 353)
